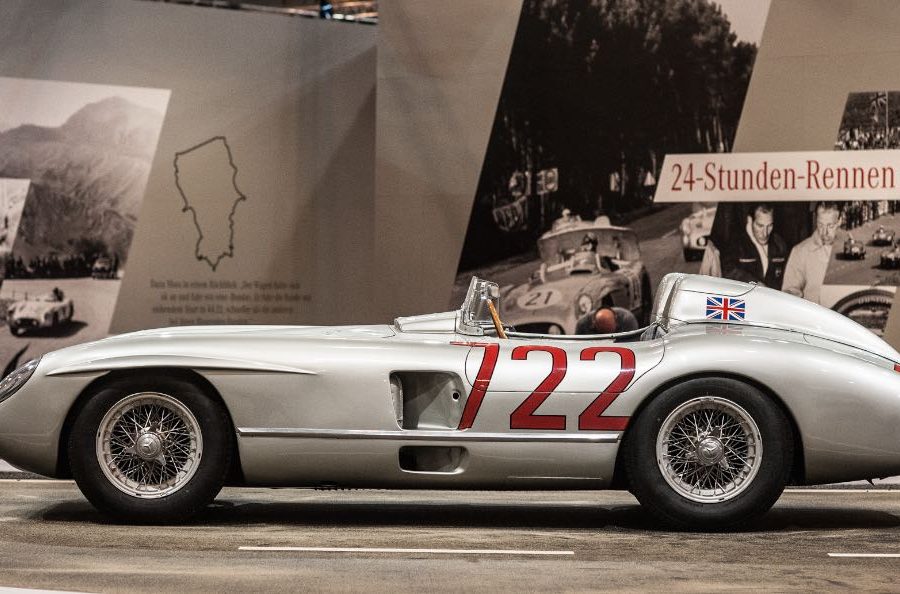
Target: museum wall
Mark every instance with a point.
(222, 160)
(440, 69)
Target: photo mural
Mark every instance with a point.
(595, 96)
(75, 159)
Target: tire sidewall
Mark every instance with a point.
(650, 486)
(191, 497)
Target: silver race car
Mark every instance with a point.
(584, 265)
(732, 392)
(882, 236)
(48, 311)
(890, 258)
(695, 230)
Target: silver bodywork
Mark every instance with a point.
(350, 406)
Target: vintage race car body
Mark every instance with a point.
(882, 236)
(44, 311)
(585, 265)
(890, 258)
(854, 248)
(695, 230)
(442, 401)
(103, 268)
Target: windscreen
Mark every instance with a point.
(475, 312)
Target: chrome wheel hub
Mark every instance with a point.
(709, 449)
(149, 445)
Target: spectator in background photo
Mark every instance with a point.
(757, 254)
(808, 261)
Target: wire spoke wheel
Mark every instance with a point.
(149, 445)
(709, 449)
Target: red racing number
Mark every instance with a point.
(523, 417)
(481, 383)
(591, 419)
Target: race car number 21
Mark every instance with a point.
(524, 416)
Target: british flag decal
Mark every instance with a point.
(726, 309)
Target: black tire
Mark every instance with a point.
(197, 492)
(646, 480)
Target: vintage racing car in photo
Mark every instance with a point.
(103, 267)
(854, 249)
(890, 258)
(882, 236)
(584, 265)
(46, 311)
(695, 230)
(732, 392)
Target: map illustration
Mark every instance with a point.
(206, 177)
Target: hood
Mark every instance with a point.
(31, 309)
(244, 348)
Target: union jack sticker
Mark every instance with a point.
(726, 309)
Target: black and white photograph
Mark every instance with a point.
(864, 271)
(13, 193)
(594, 96)
(84, 153)
(842, 255)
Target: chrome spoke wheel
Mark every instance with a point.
(149, 445)
(709, 449)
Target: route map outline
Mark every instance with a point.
(187, 206)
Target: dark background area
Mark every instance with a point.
(602, 92)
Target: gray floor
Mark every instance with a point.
(51, 538)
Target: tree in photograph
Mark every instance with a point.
(602, 90)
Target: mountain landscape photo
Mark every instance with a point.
(87, 179)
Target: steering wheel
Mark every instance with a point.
(498, 325)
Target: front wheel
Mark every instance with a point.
(150, 449)
(709, 453)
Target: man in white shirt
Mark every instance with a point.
(809, 259)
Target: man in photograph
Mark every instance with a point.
(808, 262)
(757, 254)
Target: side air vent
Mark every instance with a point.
(397, 398)
(427, 399)
(449, 460)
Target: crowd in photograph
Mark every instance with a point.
(54, 266)
(874, 138)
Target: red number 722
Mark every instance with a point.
(524, 417)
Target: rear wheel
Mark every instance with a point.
(709, 453)
(150, 449)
